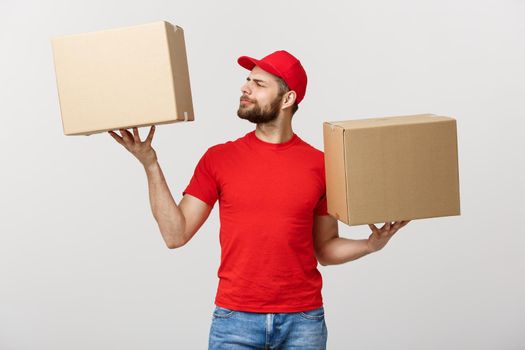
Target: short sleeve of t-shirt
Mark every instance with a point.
(203, 183)
(322, 206)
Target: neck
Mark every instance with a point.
(277, 131)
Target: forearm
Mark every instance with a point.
(340, 250)
(168, 215)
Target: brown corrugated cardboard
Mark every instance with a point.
(392, 168)
(121, 78)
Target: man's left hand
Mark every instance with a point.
(379, 237)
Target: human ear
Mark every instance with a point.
(289, 96)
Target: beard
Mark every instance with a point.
(255, 114)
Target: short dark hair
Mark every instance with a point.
(283, 88)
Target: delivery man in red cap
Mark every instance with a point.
(274, 225)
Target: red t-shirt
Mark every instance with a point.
(268, 194)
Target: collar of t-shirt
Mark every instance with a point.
(257, 142)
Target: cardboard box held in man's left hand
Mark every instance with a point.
(391, 169)
(122, 78)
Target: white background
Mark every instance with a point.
(83, 265)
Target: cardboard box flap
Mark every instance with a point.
(334, 145)
(179, 64)
(387, 121)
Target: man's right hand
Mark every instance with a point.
(141, 150)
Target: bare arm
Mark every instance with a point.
(341, 250)
(330, 249)
(177, 223)
(169, 217)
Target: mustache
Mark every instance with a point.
(244, 98)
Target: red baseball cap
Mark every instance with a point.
(284, 65)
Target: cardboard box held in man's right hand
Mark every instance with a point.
(392, 168)
(122, 78)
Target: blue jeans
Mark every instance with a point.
(232, 329)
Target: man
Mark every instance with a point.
(270, 185)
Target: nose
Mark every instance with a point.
(245, 89)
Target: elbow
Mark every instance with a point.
(174, 245)
(326, 256)
(174, 241)
(321, 259)
(174, 237)
(323, 262)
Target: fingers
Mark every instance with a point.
(149, 138)
(389, 228)
(117, 138)
(385, 227)
(399, 224)
(128, 138)
(130, 141)
(373, 228)
(136, 135)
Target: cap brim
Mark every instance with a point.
(247, 62)
(250, 62)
